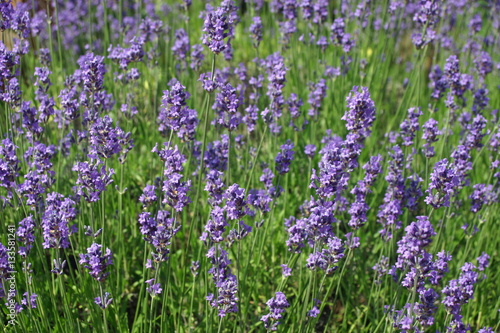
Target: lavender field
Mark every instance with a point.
(249, 166)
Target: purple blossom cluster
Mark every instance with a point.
(339, 37)
(59, 213)
(226, 284)
(217, 29)
(97, 262)
(175, 116)
(226, 105)
(392, 208)
(158, 231)
(9, 169)
(284, 158)
(316, 96)
(277, 306)
(174, 189)
(359, 207)
(360, 114)
(93, 178)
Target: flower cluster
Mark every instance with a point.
(444, 181)
(26, 235)
(175, 190)
(340, 37)
(175, 116)
(225, 282)
(60, 211)
(284, 158)
(158, 231)
(277, 306)
(9, 168)
(97, 262)
(361, 113)
(93, 178)
(216, 29)
(359, 207)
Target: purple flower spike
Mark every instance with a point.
(410, 126)
(256, 31)
(158, 231)
(310, 150)
(217, 29)
(284, 158)
(277, 306)
(97, 262)
(175, 115)
(153, 288)
(235, 202)
(361, 113)
(431, 133)
(26, 235)
(286, 270)
(226, 104)
(9, 168)
(444, 181)
(104, 302)
(60, 211)
(92, 71)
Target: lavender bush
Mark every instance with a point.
(249, 166)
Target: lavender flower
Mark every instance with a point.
(480, 101)
(158, 231)
(287, 271)
(153, 288)
(482, 195)
(126, 56)
(340, 37)
(392, 208)
(148, 196)
(459, 292)
(197, 57)
(105, 141)
(359, 207)
(484, 64)
(59, 213)
(225, 282)
(181, 47)
(361, 113)
(475, 24)
(92, 72)
(256, 31)
(444, 182)
(26, 235)
(217, 29)
(226, 105)
(316, 96)
(235, 202)
(9, 168)
(97, 262)
(310, 150)
(216, 154)
(483, 261)
(92, 179)
(431, 132)
(216, 225)
(438, 82)
(175, 190)
(476, 133)
(172, 108)
(104, 302)
(277, 306)
(284, 158)
(409, 126)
